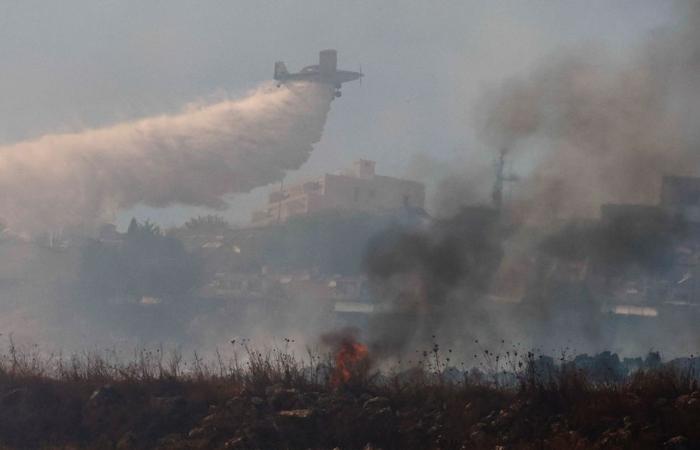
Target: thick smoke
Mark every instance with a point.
(194, 157)
(448, 189)
(428, 276)
(581, 130)
(599, 130)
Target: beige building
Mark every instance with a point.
(356, 189)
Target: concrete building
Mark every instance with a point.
(681, 196)
(356, 189)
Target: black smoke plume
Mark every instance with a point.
(424, 275)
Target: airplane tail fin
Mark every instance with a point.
(328, 61)
(280, 70)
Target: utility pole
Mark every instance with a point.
(501, 179)
(279, 202)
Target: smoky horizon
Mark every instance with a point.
(398, 177)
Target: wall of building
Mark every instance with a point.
(374, 194)
(681, 196)
(355, 189)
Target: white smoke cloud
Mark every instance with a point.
(194, 158)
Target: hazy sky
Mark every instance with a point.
(70, 65)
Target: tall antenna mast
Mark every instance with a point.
(497, 194)
(501, 179)
(279, 203)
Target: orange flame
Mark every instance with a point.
(349, 359)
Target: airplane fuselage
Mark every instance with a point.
(335, 79)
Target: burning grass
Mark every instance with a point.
(276, 400)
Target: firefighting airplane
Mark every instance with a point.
(326, 72)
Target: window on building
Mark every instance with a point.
(356, 193)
